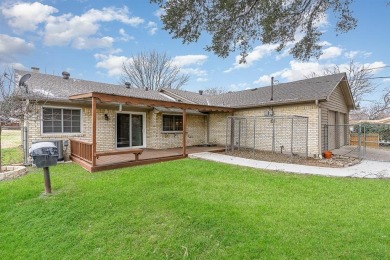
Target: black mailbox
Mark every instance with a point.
(44, 154)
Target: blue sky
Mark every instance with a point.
(91, 39)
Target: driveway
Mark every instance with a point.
(372, 154)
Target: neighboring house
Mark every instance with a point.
(120, 117)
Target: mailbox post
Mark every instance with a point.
(46, 176)
(44, 154)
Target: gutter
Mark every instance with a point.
(279, 103)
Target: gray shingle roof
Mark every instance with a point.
(318, 88)
(56, 88)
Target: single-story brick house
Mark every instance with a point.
(105, 117)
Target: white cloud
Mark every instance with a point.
(125, 37)
(351, 54)
(322, 21)
(27, 16)
(152, 28)
(331, 52)
(238, 86)
(194, 71)
(354, 54)
(201, 79)
(111, 63)
(19, 66)
(64, 29)
(159, 12)
(78, 31)
(374, 65)
(258, 53)
(297, 71)
(263, 80)
(186, 60)
(10, 47)
(92, 43)
(301, 70)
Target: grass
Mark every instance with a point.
(195, 209)
(10, 138)
(11, 151)
(12, 155)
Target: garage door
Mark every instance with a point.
(342, 129)
(331, 130)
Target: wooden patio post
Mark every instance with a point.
(93, 131)
(184, 132)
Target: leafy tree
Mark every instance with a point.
(238, 24)
(153, 70)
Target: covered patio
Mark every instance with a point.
(85, 152)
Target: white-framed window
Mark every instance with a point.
(61, 120)
(172, 123)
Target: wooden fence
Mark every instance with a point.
(371, 140)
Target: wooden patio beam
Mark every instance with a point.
(93, 131)
(184, 132)
(103, 97)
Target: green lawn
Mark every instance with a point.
(10, 138)
(195, 209)
(12, 155)
(11, 151)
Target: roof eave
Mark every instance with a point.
(280, 103)
(103, 97)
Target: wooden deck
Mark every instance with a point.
(148, 156)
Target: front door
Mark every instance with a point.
(130, 130)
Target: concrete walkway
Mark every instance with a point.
(365, 169)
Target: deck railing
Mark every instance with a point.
(81, 149)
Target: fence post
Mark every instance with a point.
(365, 142)
(359, 140)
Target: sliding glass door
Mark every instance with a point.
(130, 130)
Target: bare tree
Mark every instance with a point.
(153, 70)
(14, 99)
(360, 81)
(358, 77)
(214, 91)
(380, 109)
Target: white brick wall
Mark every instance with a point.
(155, 138)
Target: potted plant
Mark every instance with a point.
(328, 154)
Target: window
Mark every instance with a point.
(172, 123)
(61, 120)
